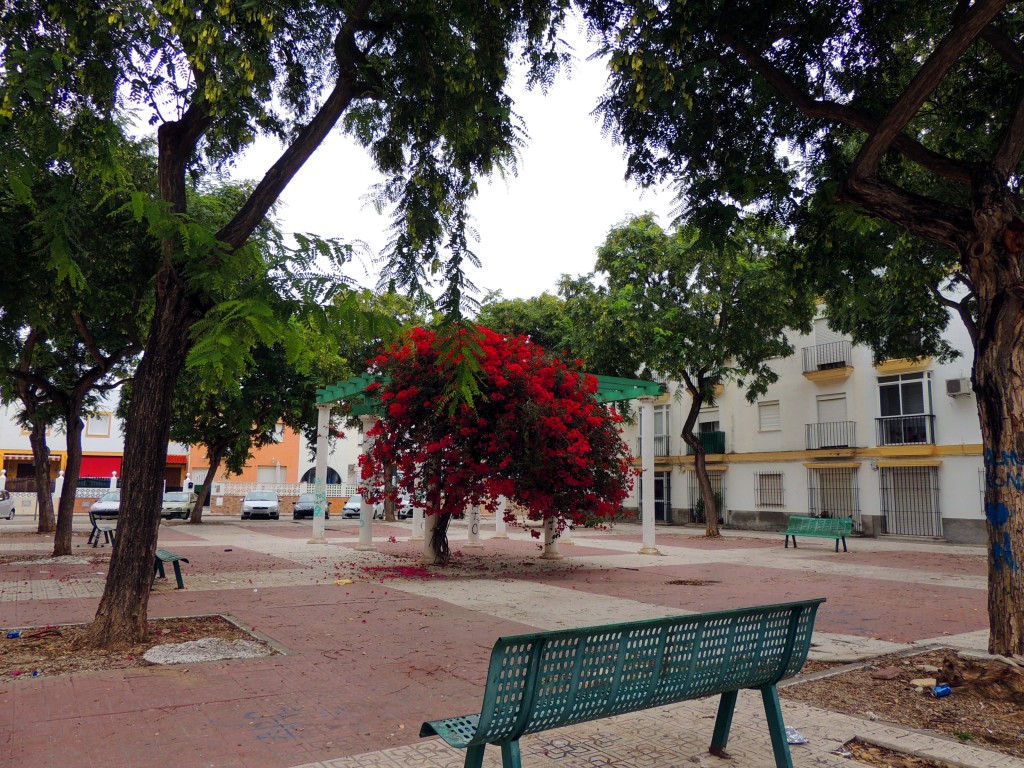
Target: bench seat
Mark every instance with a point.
(547, 680)
(837, 528)
(164, 556)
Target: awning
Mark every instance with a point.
(174, 459)
(18, 457)
(100, 466)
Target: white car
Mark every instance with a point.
(108, 505)
(177, 504)
(6, 505)
(352, 506)
(262, 504)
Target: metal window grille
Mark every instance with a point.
(834, 492)
(910, 500)
(768, 489)
(696, 498)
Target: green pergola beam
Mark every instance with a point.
(610, 389)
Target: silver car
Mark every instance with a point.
(261, 504)
(177, 504)
(108, 505)
(6, 505)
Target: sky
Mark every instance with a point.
(533, 227)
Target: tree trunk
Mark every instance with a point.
(700, 466)
(213, 460)
(66, 506)
(122, 614)
(998, 378)
(41, 469)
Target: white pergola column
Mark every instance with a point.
(550, 542)
(647, 475)
(323, 426)
(3, 479)
(417, 519)
(366, 508)
(473, 535)
(500, 531)
(58, 488)
(113, 481)
(429, 524)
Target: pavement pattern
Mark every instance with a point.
(366, 662)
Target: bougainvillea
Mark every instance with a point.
(534, 433)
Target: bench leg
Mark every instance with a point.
(776, 727)
(844, 545)
(723, 723)
(177, 575)
(475, 756)
(787, 541)
(510, 757)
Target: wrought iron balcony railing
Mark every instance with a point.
(830, 434)
(906, 430)
(713, 442)
(823, 357)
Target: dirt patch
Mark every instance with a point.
(985, 705)
(871, 754)
(48, 651)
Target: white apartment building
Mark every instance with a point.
(896, 446)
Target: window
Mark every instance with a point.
(768, 490)
(661, 430)
(905, 406)
(279, 432)
(271, 474)
(769, 417)
(98, 425)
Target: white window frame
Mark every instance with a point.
(93, 425)
(764, 407)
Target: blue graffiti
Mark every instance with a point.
(998, 514)
(1002, 554)
(994, 481)
(1003, 458)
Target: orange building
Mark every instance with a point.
(274, 463)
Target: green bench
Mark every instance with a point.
(163, 556)
(550, 679)
(101, 527)
(837, 528)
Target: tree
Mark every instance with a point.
(687, 302)
(535, 433)
(420, 84)
(825, 114)
(541, 319)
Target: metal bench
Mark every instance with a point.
(837, 528)
(550, 679)
(101, 527)
(163, 556)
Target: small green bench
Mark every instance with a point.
(837, 528)
(101, 527)
(163, 556)
(547, 680)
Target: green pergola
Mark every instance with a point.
(610, 389)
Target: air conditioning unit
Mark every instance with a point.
(958, 387)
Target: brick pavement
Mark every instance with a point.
(367, 662)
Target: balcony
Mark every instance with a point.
(828, 362)
(661, 446)
(830, 434)
(713, 442)
(906, 430)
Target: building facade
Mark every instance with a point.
(896, 446)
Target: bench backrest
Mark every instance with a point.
(544, 680)
(840, 526)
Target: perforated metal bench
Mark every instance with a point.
(104, 528)
(163, 556)
(551, 679)
(837, 528)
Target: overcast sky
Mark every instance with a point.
(548, 220)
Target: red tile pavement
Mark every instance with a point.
(939, 562)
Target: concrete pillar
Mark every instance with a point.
(58, 488)
(550, 542)
(473, 520)
(500, 531)
(647, 475)
(3, 479)
(113, 480)
(366, 508)
(417, 519)
(323, 426)
(429, 554)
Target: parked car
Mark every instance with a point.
(107, 506)
(177, 504)
(355, 501)
(404, 507)
(262, 504)
(304, 507)
(6, 505)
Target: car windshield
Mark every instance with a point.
(261, 496)
(357, 499)
(308, 497)
(176, 496)
(111, 496)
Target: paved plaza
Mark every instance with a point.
(366, 662)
